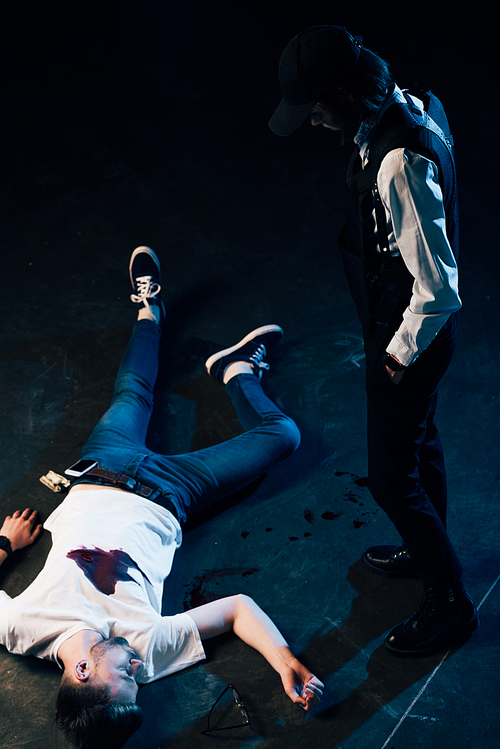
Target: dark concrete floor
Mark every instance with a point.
(149, 126)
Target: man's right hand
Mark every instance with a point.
(21, 528)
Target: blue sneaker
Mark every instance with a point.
(251, 350)
(145, 277)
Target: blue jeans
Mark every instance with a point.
(195, 480)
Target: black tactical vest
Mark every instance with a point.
(381, 285)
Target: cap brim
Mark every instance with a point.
(288, 117)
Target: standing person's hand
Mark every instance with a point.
(395, 377)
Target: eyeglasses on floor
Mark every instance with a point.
(241, 708)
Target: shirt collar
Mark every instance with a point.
(365, 134)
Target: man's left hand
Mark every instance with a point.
(300, 685)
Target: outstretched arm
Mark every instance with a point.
(242, 615)
(21, 528)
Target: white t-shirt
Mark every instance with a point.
(111, 553)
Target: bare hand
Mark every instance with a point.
(21, 528)
(301, 686)
(396, 377)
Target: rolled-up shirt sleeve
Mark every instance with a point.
(409, 188)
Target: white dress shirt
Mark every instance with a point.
(409, 187)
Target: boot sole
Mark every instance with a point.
(389, 573)
(462, 632)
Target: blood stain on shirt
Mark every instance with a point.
(104, 568)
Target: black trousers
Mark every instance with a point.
(406, 469)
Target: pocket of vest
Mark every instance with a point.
(395, 282)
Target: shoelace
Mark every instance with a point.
(256, 359)
(146, 289)
(427, 606)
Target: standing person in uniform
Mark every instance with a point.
(399, 246)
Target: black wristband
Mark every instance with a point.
(393, 363)
(5, 545)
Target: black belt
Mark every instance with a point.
(101, 476)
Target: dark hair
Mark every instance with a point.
(90, 719)
(367, 83)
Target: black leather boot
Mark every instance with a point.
(391, 561)
(441, 620)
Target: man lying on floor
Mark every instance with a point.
(95, 608)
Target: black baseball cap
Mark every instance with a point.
(315, 61)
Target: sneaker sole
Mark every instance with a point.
(250, 337)
(139, 251)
